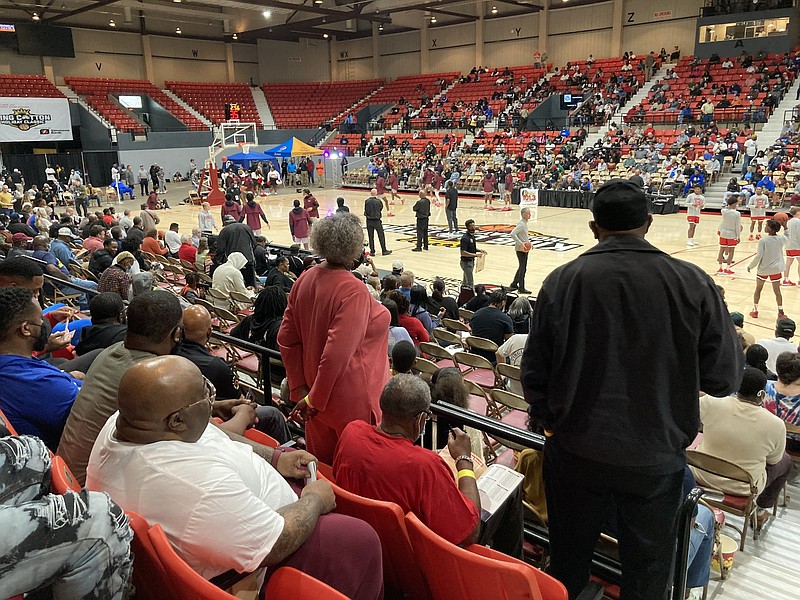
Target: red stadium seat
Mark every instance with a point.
(149, 576)
(5, 423)
(477, 572)
(286, 583)
(62, 478)
(400, 569)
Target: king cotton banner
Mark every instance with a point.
(34, 120)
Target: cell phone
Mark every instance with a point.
(312, 470)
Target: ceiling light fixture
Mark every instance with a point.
(494, 10)
(235, 36)
(325, 35)
(111, 23)
(178, 30)
(267, 14)
(35, 16)
(380, 27)
(433, 19)
(317, 2)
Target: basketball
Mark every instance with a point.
(526, 246)
(782, 218)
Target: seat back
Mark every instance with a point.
(453, 325)
(62, 478)
(474, 342)
(507, 399)
(472, 361)
(790, 428)
(149, 575)
(182, 580)
(434, 350)
(423, 365)
(453, 572)
(240, 297)
(466, 314)
(510, 371)
(254, 435)
(719, 467)
(448, 337)
(288, 583)
(401, 571)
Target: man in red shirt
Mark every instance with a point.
(382, 462)
(187, 251)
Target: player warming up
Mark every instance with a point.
(730, 230)
(758, 205)
(792, 245)
(694, 204)
(769, 265)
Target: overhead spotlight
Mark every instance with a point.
(178, 30)
(433, 19)
(317, 2)
(111, 23)
(267, 14)
(494, 10)
(325, 35)
(35, 16)
(380, 27)
(235, 36)
(177, 1)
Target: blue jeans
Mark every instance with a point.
(701, 544)
(83, 301)
(76, 544)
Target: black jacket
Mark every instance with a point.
(423, 208)
(372, 208)
(100, 261)
(212, 367)
(102, 335)
(622, 340)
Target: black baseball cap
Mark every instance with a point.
(620, 205)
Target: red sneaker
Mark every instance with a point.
(728, 272)
(389, 215)
(751, 237)
(758, 237)
(720, 271)
(782, 315)
(490, 208)
(788, 283)
(754, 314)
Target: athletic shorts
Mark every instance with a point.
(298, 240)
(793, 253)
(772, 277)
(758, 218)
(727, 241)
(692, 219)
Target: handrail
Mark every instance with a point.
(603, 566)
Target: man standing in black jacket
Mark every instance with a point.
(616, 391)
(422, 208)
(451, 204)
(372, 211)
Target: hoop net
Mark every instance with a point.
(244, 147)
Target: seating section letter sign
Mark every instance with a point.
(34, 120)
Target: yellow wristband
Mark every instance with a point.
(306, 400)
(466, 473)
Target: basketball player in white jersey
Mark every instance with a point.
(792, 245)
(769, 265)
(730, 229)
(758, 205)
(694, 204)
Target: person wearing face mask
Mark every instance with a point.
(419, 480)
(35, 396)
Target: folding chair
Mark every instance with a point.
(439, 355)
(423, 365)
(512, 410)
(477, 369)
(446, 338)
(466, 314)
(288, 583)
(455, 326)
(474, 342)
(476, 572)
(400, 569)
(512, 372)
(741, 506)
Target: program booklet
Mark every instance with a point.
(495, 485)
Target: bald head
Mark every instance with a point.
(197, 323)
(41, 242)
(161, 399)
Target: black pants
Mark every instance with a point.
(82, 206)
(422, 233)
(249, 275)
(519, 276)
(144, 186)
(503, 530)
(580, 493)
(374, 225)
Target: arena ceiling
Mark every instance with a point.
(271, 19)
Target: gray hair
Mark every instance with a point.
(405, 396)
(520, 307)
(524, 210)
(338, 239)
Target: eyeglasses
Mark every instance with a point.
(210, 397)
(40, 324)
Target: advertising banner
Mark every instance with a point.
(34, 120)
(529, 197)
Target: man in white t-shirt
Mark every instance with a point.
(758, 204)
(784, 330)
(792, 245)
(173, 239)
(511, 352)
(694, 204)
(750, 151)
(224, 504)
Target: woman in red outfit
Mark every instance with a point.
(333, 338)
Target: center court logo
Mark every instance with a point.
(23, 119)
(494, 234)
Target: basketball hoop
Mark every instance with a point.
(245, 147)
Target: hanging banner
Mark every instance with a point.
(34, 119)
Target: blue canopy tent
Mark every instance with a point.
(244, 159)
